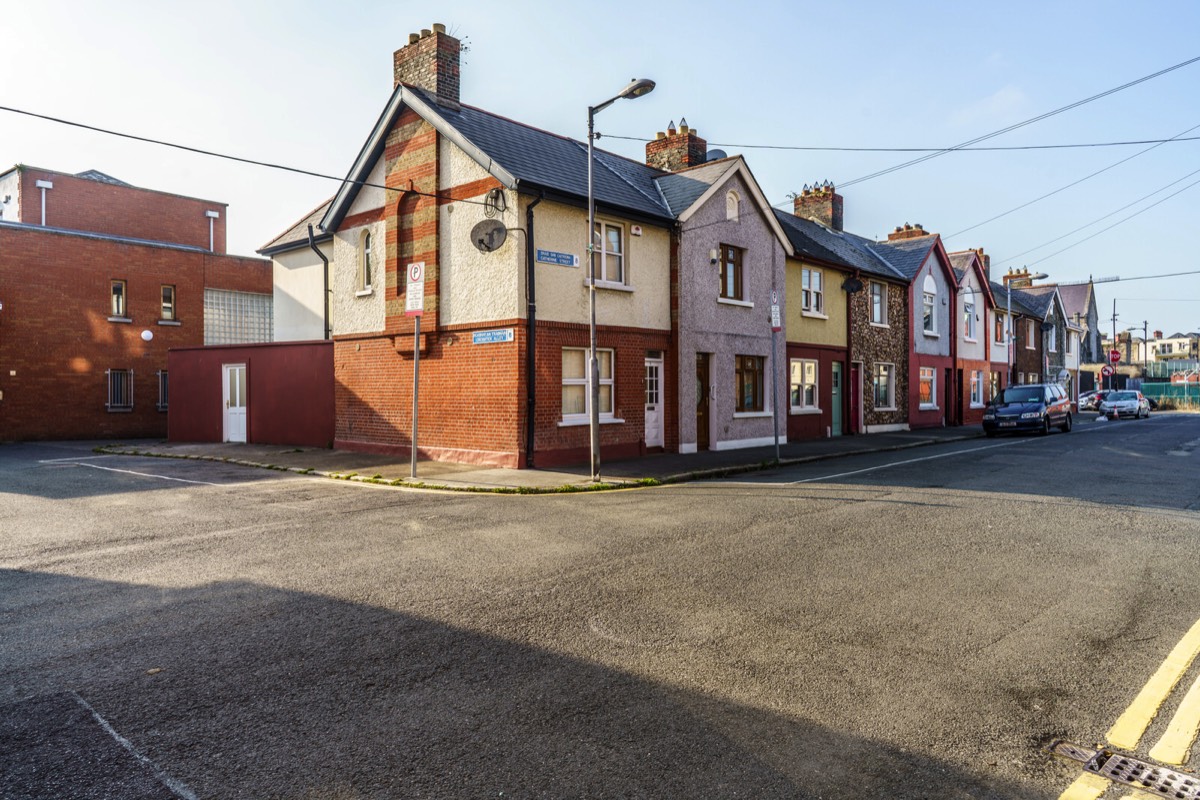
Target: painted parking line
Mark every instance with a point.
(1086, 787)
(1174, 745)
(139, 474)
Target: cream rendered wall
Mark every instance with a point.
(356, 311)
(976, 350)
(476, 286)
(808, 328)
(999, 349)
(562, 294)
(371, 197)
(298, 287)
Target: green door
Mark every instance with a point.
(835, 385)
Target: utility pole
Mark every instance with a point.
(1112, 380)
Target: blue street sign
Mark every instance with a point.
(561, 259)
(492, 337)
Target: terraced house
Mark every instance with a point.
(976, 381)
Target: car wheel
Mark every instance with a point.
(1045, 426)
(1066, 426)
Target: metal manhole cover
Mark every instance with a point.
(1151, 778)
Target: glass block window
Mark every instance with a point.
(237, 317)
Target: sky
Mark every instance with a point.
(302, 83)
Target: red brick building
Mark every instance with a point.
(98, 279)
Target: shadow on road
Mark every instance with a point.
(239, 690)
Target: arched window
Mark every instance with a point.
(731, 205)
(364, 262)
(929, 292)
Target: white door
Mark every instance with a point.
(234, 386)
(654, 403)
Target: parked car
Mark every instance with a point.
(1153, 403)
(1090, 401)
(1125, 403)
(1031, 407)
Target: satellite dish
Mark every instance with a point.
(716, 155)
(852, 285)
(489, 235)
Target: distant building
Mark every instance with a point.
(98, 279)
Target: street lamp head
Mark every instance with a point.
(637, 87)
(1038, 276)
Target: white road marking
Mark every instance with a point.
(912, 461)
(177, 788)
(70, 460)
(147, 474)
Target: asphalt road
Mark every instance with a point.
(917, 624)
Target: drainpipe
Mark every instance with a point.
(531, 339)
(325, 273)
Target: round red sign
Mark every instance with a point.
(1114, 356)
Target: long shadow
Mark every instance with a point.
(239, 690)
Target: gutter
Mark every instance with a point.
(531, 339)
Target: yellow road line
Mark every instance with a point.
(1086, 787)
(1173, 747)
(1129, 728)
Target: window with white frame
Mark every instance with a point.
(929, 303)
(927, 390)
(879, 303)
(1020, 377)
(120, 390)
(804, 397)
(976, 388)
(167, 310)
(575, 398)
(969, 315)
(1070, 343)
(884, 386)
(162, 390)
(748, 383)
(994, 388)
(1052, 340)
(812, 291)
(1030, 335)
(610, 252)
(998, 324)
(365, 266)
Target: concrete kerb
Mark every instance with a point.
(568, 488)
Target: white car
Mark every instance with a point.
(1125, 403)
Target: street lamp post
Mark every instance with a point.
(636, 88)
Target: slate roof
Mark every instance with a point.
(1038, 298)
(97, 175)
(908, 255)
(1020, 302)
(837, 247)
(298, 233)
(679, 190)
(1075, 297)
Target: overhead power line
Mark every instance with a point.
(985, 149)
(1073, 183)
(225, 156)
(1015, 126)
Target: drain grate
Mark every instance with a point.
(1119, 768)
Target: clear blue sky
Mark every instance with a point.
(301, 83)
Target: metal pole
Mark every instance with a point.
(593, 362)
(775, 391)
(1008, 324)
(416, 382)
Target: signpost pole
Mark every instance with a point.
(414, 306)
(416, 383)
(776, 324)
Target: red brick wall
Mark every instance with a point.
(55, 334)
(87, 205)
(814, 426)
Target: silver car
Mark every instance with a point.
(1125, 403)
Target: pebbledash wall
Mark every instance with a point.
(472, 397)
(57, 340)
(872, 345)
(276, 375)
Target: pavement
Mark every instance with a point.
(650, 469)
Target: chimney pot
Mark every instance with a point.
(426, 33)
(820, 203)
(439, 27)
(413, 38)
(430, 61)
(677, 149)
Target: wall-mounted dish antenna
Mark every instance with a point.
(488, 235)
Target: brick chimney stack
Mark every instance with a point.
(820, 203)
(986, 260)
(1158, 334)
(430, 61)
(907, 232)
(676, 150)
(1018, 278)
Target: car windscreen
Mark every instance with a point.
(1121, 396)
(1022, 394)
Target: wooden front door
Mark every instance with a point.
(701, 401)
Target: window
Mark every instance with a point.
(994, 389)
(969, 315)
(1070, 343)
(364, 262)
(1052, 340)
(803, 385)
(998, 333)
(731, 272)
(237, 317)
(878, 303)
(731, 206)
(119, 305)
(885, 386)
(611, 265)
(162, 390)
(120, 390)
(1020, 377)
(168, 303)
(1030, 335)
(928, 388)
(976, 388)
(748, 383)
(929, 301)
(812, 295)
(575, 384)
